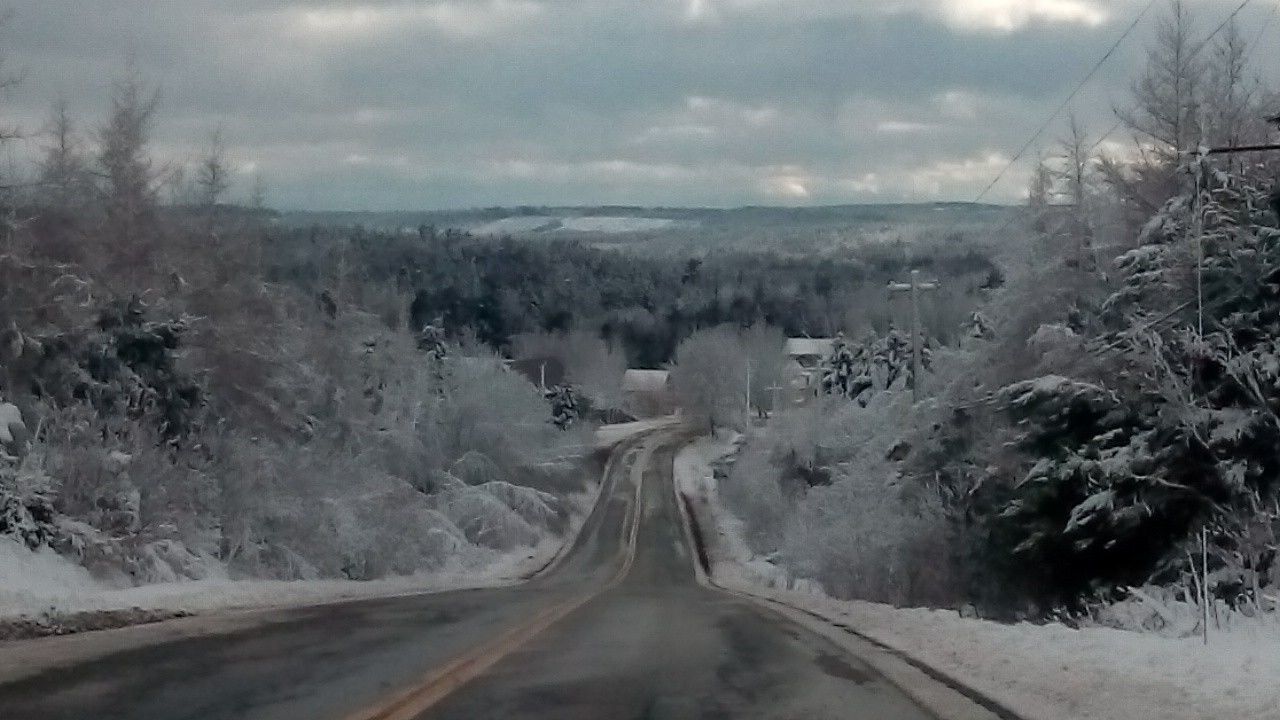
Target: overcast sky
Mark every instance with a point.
(463, 103)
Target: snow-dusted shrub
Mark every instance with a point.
(171, 561)
(560, 476)
(475, 468)
(485, 519)
(754, 493)
(327, 516)
(819, 489)
(860, 538)
(26, 507)
(487, 410)
(539, 509)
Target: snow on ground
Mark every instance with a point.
(606, 224)
(46, 585)
(517, 225)
(1041, 672)
(607, 436)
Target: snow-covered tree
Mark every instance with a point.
(64, 167)
(1124, 469)
(875, 365)
(213, 176)
(846, 371)
(129, 182)
(709, 374)
(979, 326)
(564, 406)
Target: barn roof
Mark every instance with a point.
(645, 380)
(799, 347)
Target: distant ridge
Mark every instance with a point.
(768, 214)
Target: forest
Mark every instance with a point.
(492, 289)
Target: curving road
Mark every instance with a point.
(618, 628)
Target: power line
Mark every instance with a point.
(1058, 111)
(1262, 30)
(1065, 103)
(1200, 48)
(1219, 29)
(1119, 123)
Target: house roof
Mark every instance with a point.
(645, 380)
(798, 347)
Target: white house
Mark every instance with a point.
(803, 371)
(647, 393)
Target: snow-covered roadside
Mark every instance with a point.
(727, 551)
(606, 436)
(43, 593)
(1041, 672)
(44, 584)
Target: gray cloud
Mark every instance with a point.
(384, 105)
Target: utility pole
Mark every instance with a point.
(773, 406)
(1197, 230)
(748, 390)
(1275, 187)
(915, 287)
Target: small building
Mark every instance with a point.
(802, 372)
(648, 393)
(809, 352)
(544, 372)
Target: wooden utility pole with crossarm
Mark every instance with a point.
(915, 287)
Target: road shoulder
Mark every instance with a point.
(938, 693)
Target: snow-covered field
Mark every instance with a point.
(1041, 672)
(592, 224)
(604, 224)
(517, 225)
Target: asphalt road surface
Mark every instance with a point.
(618, 629)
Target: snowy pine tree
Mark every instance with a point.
(844, 371)
(564, 406)
(1181, 433)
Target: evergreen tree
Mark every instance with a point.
(564, 406)
(844, 371)
(1181, 434)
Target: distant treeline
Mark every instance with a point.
(494, 289)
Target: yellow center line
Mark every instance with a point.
(439, 684)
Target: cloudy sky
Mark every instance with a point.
(462, 103)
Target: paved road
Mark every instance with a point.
(619, 629)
